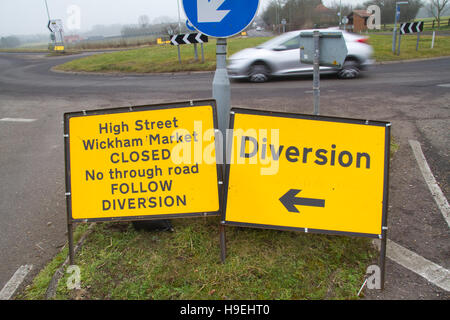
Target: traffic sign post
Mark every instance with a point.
(397, 19)
(322, 48)
(190, 38)
(408, 28)
(316, 77)
(56, 28)
(141, 163)
(221, 19)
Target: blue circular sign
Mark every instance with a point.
(220, 18)
(189, 25)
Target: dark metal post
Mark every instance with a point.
(179, 53)
(203, 53)
(70, 239)
(384, 228)
(316, 84)
(222, 95)
(223, 243)
(418, 40)
(195, 52)
(399, 43)
(383, 259)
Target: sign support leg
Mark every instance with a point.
(383, 260)
(203, 53)
(223, 243)
(384, 224)
(195, 52)
(418, 40)
(399, 44)
(316, 84)
(179, 54)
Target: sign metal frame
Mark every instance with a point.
(386, 125)
(177, 105)
(174, 106)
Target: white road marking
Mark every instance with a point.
(13, 284)
(434, 273)
(16, 120)
(436, 192)
(445, 85)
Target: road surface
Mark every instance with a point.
(414, 96)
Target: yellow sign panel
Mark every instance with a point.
(161, 41)
(59, 48)
(317, 174)
(147, 162)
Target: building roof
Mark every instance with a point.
(361, 13)
(322, 9)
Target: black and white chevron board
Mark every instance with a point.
(411, 27)
(188, 38)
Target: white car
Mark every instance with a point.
(280, 56)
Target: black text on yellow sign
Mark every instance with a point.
(308, 173)
(142, 162)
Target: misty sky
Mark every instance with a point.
(30, 16)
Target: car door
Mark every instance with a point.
(287, 57)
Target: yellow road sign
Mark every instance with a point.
(161, 41)
(142, 162)
(59, 48)
(308, 173)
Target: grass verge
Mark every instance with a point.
(156, 59)
(37, 289)
(118, 262)
(383, 47)
(162, 58)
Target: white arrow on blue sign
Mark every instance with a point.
(220, 18)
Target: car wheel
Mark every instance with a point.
(259, 73)
(350, 70)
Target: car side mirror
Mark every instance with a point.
(280, 48)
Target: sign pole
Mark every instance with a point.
(179, 54)
(384, 224)
(418, 40)
(203, 53)
(71, 250)
(195, 52)
(399, 43)
(316, 81)
(210, 19)
(221, 86)
(223, 243)
(394, 37)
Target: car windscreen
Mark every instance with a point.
(276, 41)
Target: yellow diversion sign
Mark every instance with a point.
(147, 162)
(307, 173)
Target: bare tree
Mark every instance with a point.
(436, 8)
(143, 21)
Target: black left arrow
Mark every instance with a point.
(290, 201)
